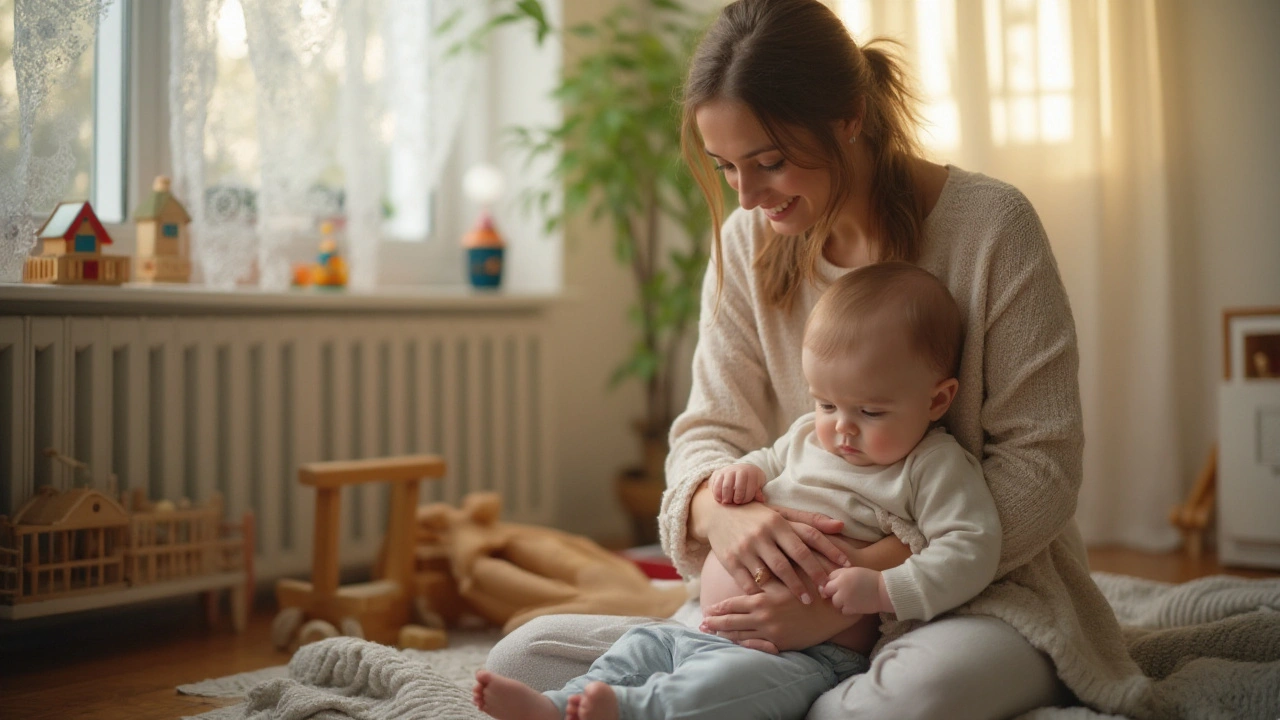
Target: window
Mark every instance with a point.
(419, 121)
(86, 243)
(1029, 70)
(170, 230)
(235, 155)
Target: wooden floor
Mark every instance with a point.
(125, 663)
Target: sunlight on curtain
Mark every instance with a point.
(1062, 99)
(289, 115)
(1029, 71)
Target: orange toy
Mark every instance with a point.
(509, 573)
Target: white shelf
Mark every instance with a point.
(108, 598)
(177, 299)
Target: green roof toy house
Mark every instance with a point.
(164, 245)
(72, 241)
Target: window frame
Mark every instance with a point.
(108, 170)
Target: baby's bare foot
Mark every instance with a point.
(508, 699)
(599, 702)
(573, 708)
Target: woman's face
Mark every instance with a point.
(793, 198)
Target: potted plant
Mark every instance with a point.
(617, 157)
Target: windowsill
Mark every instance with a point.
(179, 299)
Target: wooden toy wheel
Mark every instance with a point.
(283, 627)
(316, 630)
(351, 627)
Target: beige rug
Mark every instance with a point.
(1211, 643)
(457, 663)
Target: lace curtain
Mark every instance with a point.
(397, 91)
(48, 39)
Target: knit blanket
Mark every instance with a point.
(1211, 647)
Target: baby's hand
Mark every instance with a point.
(737, 484)
(855, 591)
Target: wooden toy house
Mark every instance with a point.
(163, 241)
(61, 544)
(72, 240)
(81, 549)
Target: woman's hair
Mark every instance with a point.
(793, 63)
(909, 296)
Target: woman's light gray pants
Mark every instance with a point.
(954, 667)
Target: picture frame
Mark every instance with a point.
(1251, 343)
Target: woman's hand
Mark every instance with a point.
(746, 538)
(774, 621)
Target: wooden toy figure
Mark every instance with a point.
(164, 245)
(484, 184)
(484, 254)
(72, 240)
(329, 270)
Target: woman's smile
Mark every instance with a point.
(778, 212)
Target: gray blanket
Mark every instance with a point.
(1212, 646)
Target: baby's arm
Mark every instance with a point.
(863, 592)
(738, 484)
(882, 554)
(958, 518)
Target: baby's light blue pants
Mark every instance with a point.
(671, 671)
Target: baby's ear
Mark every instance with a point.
(943, 393)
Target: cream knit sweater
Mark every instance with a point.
(1018, 409)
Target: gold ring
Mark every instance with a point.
(761, 575)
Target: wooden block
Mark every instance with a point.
(440, 591)
(293, 593)
(417, 637)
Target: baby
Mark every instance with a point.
(881, 351)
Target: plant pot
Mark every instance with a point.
(653, 451)
(641, 497)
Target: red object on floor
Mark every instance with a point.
(652, 562)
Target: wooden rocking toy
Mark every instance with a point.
(377, 610)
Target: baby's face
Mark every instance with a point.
(874, 404)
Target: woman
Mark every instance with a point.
(816, 135)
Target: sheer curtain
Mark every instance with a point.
(48, 39)
(1062, 98)
(345, 93)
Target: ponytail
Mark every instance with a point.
(890, 123)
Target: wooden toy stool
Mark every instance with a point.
(374, 610)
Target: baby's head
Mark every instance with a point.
(881, 354)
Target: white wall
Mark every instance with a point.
(591, 335)
(1223, 81)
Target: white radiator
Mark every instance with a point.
(191, 405)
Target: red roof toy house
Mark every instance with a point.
(71, 254)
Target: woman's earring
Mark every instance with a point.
(853, 139)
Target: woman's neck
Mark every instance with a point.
(852, 238)
(853, 242)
